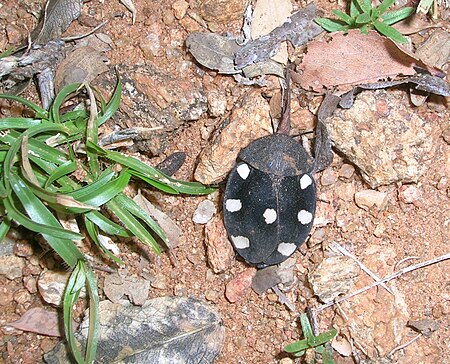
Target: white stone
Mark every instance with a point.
(240, 242)
(304, 217)
(243, 170)
(305, 181)
(286, 249)
(270, 215)
(233, 205)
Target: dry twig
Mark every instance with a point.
(384, 280)
(342, 250)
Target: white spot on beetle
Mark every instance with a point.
(233, 205)
(305, 217)
(240, 242)
(286, 249)
(243, 170)
(305, 181)
(270, 215)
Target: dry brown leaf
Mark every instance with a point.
(82, 65)
(268, 15)
(435, 51)
(342, 346)
(40, 321)
(352, 59)
(415, 24)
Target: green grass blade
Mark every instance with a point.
(386, 4)
(106, 225)
(94, 319)
(141, 214)
(65, 248)
(4, 228)
(395, 16)
(322, 338)
(93, 234)
(306, 327)
(365, 5)
(355, 10)
(363, 18)
(40, 219)
(138, 168)
(297, 346)
(40, 113)
(132, 224)
(84, 193)
(343, 16)
(18, 123)
(7, 52)
(36, 148)
(112, 106)
(331, 25)
(60, 98)
(104, 192)
(389, 32)
(74, 116)
(64, 169)
(76, 282)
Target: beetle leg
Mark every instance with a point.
(323, 155)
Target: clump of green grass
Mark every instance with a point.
(311, 342)
(364, 16)
(38, 156)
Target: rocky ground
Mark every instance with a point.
(385, 199)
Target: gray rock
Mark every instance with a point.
(52, 284)
(204, 212)
(383, 136)
(370, 199)
(11, 266)
(334, 276)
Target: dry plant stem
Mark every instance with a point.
(76, 37)
(404, 260)
(404, 345)
(283, 299)
(345, 252)
(384, 280)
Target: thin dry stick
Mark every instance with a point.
(384, 280)
(404, 345)
(403, 261)
(345, 252)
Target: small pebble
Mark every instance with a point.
(22, 296)
(346, 171)
(379, 230)
(23, 249)
(211, 295)
(328, 178)
(370, 199)
(272, 297)
(11, 266)
(179, 290)
(51, 285)
(30, 283)
(179, 8)
(159, 282)
(204, 212)
(409, 193)
(239, 285)
(217, 104)
(286, 361)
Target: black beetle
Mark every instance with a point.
(270, 196)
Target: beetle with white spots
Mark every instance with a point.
(270, 196)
